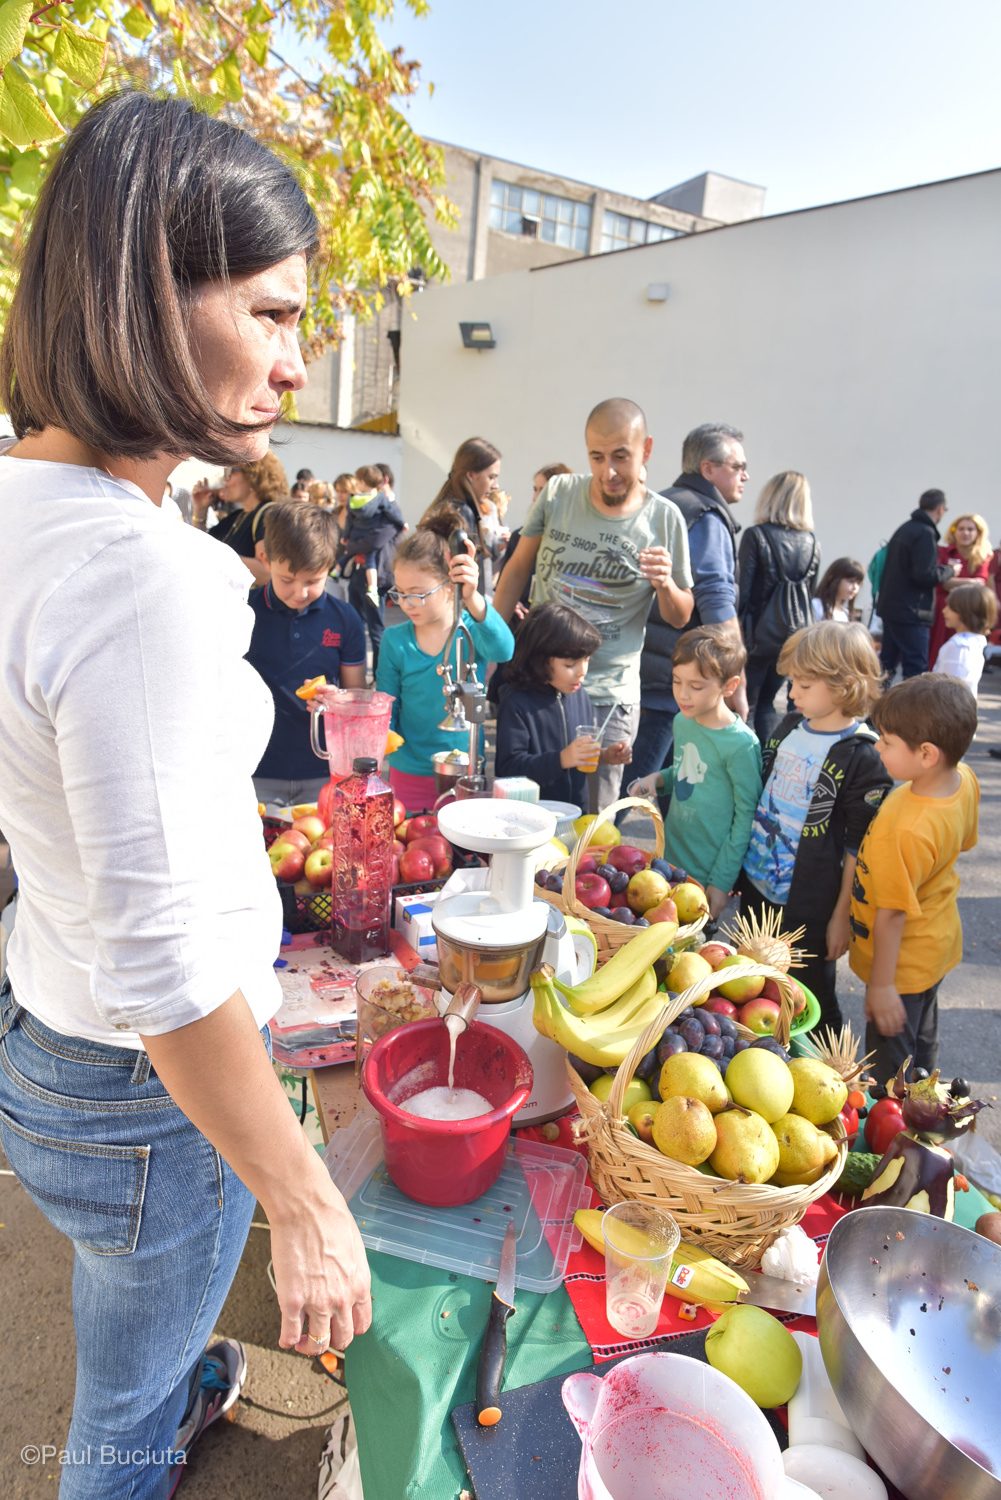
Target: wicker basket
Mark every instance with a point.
(608, 934)
(735, 1221)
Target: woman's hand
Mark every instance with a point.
(202, 495)
(321, 1273)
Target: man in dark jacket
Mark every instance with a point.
(714, 473)
(907, 588)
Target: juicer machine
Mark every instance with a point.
(493, 932)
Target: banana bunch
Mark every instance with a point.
(605, 1039)
(696, 1276)
(626, 965)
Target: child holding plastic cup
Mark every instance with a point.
(546, 726)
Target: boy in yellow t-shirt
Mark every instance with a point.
(905, 929)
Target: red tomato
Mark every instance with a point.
(883, 1123)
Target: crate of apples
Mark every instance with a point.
(420, 852)
(301, 855)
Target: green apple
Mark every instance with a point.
(757, 1352)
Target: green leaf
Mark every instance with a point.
(25, 119)
(259, 15)
(80, 56)
(162, 8)
(226, 77)
(257, 45)
(137, 23)
(14, 18)
(26, 171)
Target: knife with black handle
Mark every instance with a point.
(493, 1350)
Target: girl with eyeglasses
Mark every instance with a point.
(412, 654)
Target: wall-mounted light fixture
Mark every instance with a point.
(477, 336)
(658, 291)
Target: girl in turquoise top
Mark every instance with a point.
(411, 654)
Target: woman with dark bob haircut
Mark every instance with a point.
(155, 317)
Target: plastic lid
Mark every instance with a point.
(491, 825)
(540, 1188)
(475, 919)
(365, 765)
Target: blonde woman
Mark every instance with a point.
(968, 549)
(779, 562)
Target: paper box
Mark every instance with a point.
(412, 920)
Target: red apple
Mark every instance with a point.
(398, 847)
(439, 849)
(319, 867)
(770, 990)
(737, 990)
(394, 870)
(714, 953)
(417, 827)
(664, 911)
(327, 842)
(798, 999)
(416, 865)
(399, 812)
(296, 838)
(720, 1007)
(625, 857)
(311, 825)
(592, 891)
(286, 861)
(302, 887)
(587, 864)
(760, 1016)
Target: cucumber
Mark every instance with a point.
(859, 1170)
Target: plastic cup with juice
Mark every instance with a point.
(589, 732)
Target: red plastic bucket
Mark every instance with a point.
(445, 1162)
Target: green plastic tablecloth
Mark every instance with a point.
(418, 1362)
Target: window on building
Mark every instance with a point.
(618, 231)
(559, 221)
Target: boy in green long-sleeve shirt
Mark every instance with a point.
(715, 780)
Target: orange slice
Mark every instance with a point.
(310, 688)
(393, 741)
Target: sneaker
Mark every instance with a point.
(372, 595)
(224, 1370)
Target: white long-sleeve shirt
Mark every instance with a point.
(130, 726)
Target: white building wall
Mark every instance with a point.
(328, 451)
(860, 343)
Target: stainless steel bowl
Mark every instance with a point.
(909, 1316)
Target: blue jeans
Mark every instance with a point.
(374, 618)
(763, 682)
(158, 1223)
(653, 744)
(905, 644)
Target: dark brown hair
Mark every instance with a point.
(840, 569)
(550, 471)
(976, 605)
(471, 457)
(304, 536)
(713, 650)
(550, 630)
(148, 201)
(266, 477)
(370, 475)
(428, 546)
(932, 709)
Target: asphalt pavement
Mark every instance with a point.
(272, 1446)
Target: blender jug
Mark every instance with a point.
(355, 722)
(664, 1425)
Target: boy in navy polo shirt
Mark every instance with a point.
(300, 631)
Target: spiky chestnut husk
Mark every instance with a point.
(761, 939)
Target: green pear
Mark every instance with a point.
(692, 1076)
(683, 1129)
(757, 1352)
(819, 1093)
(759, 1080)
(805, 1152)
(746, 1148)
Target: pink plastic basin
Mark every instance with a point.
(445, 1162)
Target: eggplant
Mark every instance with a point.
(913, 1175)
(932, 1110)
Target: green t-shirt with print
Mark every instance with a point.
(589, 561)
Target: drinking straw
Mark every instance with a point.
(605, 722)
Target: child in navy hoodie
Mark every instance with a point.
(543, 706)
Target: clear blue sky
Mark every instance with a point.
(816, 102)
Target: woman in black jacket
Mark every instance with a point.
(471, 479)
(778, 562)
